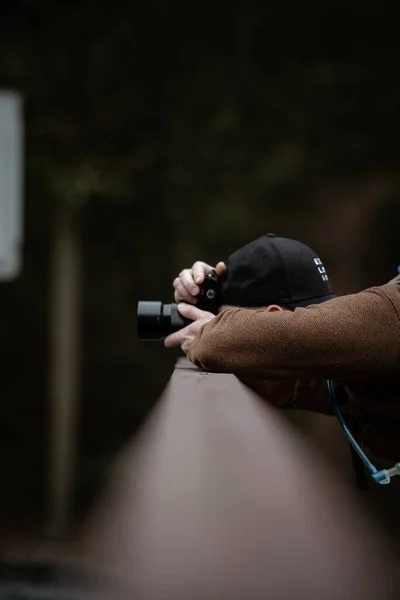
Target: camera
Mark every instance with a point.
(156, 320)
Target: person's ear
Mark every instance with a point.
(274, 308)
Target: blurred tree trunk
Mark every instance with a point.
(63, 368)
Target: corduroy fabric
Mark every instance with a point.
(353, 339)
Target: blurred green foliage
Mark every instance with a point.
(181, 130)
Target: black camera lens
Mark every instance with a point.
(155, 320)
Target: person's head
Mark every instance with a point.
(276, 273)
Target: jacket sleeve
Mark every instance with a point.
(347, 338)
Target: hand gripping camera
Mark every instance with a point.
(156, 320)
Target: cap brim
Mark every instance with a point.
(311, 301)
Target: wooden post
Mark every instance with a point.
(64, 371)
(219, 498)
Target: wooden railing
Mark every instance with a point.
(219, 498)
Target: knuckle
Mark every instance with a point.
(198, 265)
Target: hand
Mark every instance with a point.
(184, 337)
(187, 283)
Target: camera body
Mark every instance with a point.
(208, 296)
(155, 320)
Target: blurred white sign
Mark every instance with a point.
(11, 184)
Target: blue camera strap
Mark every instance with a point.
(382, 476)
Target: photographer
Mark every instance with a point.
(275, 273)
(354, 340)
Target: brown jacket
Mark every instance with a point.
(353, 339)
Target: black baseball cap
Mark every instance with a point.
(274, 270)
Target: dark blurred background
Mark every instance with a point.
(164, 132)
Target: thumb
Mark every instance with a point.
(189, 311)
(220, 268)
